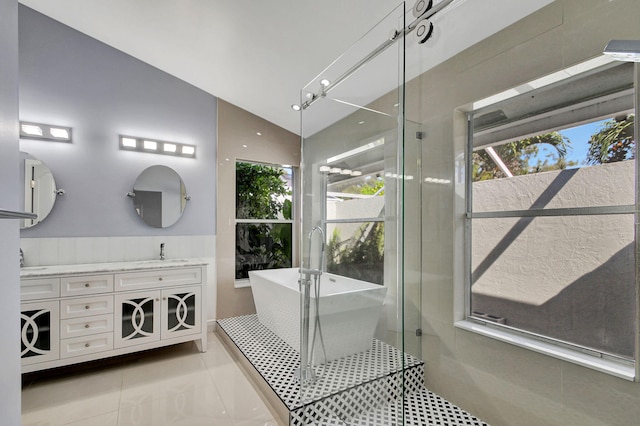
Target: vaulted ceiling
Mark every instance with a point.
(258, 54)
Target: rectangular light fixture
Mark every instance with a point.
(133, 143)
(45, 132)
(623, 50)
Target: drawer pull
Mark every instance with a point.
(159, 278)
(87, 307)
(86, 326)
(86, 345)
(87, 285)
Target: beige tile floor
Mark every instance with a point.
(172, 386)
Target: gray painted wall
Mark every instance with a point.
(9, 303)
(70, 79)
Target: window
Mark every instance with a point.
(550, 213)
(354, 213)
(264, 225)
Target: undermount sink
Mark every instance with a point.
(160, 262)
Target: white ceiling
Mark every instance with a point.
(258, 54)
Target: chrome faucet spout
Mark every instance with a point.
(21, 258)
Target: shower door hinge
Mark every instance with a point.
(419, 135)
(418, 332)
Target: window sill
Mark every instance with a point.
(241, 283)
(609, 366)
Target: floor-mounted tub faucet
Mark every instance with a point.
(161, 251)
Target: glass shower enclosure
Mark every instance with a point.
(360, 272)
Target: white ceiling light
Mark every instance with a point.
(31, 130)
(189, 150)
(128, 142)
(59, 133)
(45, 132)
(152, 145)
(132, 143)
(169, 147)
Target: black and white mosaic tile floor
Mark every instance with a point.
(381, 386)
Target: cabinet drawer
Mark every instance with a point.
(39, 288)
(83, 285)
(85, 326)
(85, 306)
(86, 345)
(157, 278)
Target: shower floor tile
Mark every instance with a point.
(362, 389)
(276, 362)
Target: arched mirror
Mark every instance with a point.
(159, 196)
(38, 190)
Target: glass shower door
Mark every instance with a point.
(360, 275)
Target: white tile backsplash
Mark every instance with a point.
(48, 252)
(70, 251)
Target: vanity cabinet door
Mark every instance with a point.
(137, 318)
(39, 332)
(181, 311)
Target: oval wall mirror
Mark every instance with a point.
(159, 196)
(38, 191)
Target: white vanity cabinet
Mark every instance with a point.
(112, 309)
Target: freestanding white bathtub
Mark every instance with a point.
(349, 310)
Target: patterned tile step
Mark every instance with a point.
(360, 390)
(421, 408)
(347, 387)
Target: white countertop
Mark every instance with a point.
(90, 268)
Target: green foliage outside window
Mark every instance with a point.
(614, 142)
(517, 154)
(360, 257)
(262, 193)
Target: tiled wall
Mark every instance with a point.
(503, 384)
(63, 251)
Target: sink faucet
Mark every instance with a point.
(21, 258)
(161, 251)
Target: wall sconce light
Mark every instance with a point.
(132, 143)
(623, 50)
(45, 132)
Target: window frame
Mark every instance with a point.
(600, 361)
(244, 282)
(325, 221)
